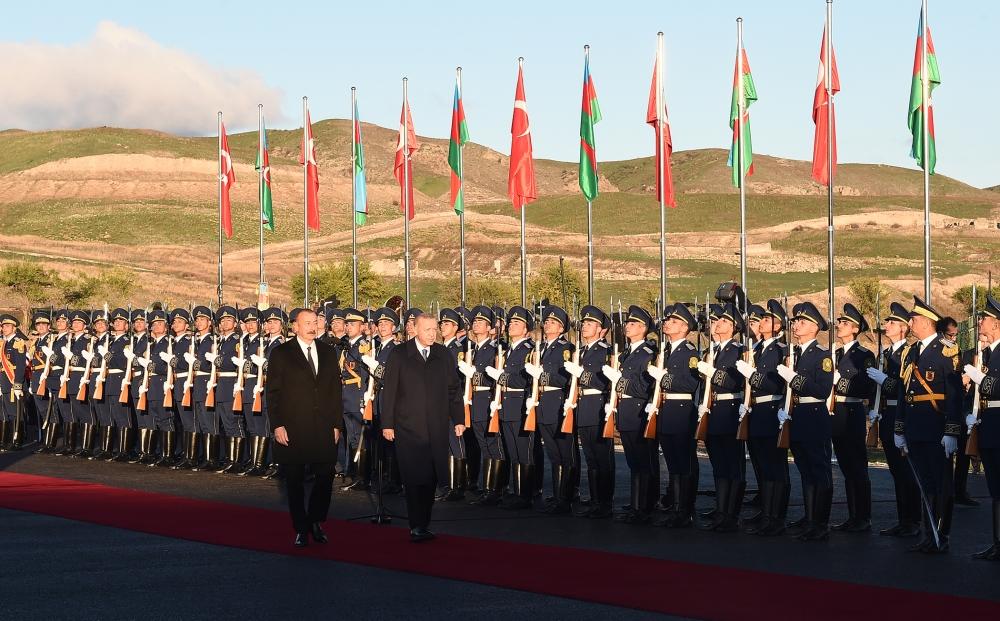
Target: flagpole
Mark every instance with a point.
(461, 184)
(924, 135)
(305, 201)
(524, 254)
(659, 172)
(590, 212)
(261, 286)
(406, 196)
(354, 197)
(741, 112)
(219, 163)
(828, 69)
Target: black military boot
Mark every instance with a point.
(86, 441)
(361, 481)
(445, 489)
(633, 495)
(105, 436)
(766, 495)
(643, 500)
(863, 500)
(49, 439)
(584, 511)
(489, 482)
(926, 519)
(69, 439)
(523, 489)
(804, 524)
(723, 488)
(945, 505)
(992, 553)
(734, 503)
(675, 498)
(124, 444)
(894, 531)
(472, 466)
(235, 456)
(253, 469)
(4, 438)
(211, 461)
(17, 437)
(850, 490)
(562, 489)
(604, 501)
(713, 513)
(143, 443)
(166, 459)
(778, 509)
(822, 503)
(457, 468)
(558, 472)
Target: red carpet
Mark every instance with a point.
(679, 588)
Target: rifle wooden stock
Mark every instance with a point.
(785, 435)
(168, 384)
(368, 414)
(238, 401)
(258, 403)
(238, 395)
(467, 398)
(871, 441)
(609, 418)
(81, 394)
(98, 391)
(186, 399)
(45, 372)
(497, 394)
(609, 426)
(210, 397)
(574, 394)
(531, 419)
(701, 432)
(126, 384)
(743, 432)
(62, 389)
(650, 431)
(972, 444)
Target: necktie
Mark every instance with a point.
(797, 353)
(666, 350)
(919, 348)
(312, 361)
(424, 353)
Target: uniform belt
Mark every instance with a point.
(991, 404)
(78, 369)
(626, 397)
(586, 392)
(811, 400)
(55, 368)
(481, 389)
(843, 399)
(180, 374)
(551, 388)
(513, 390)
(226, 374)
(729, 396)
(891, 403)
(934, 396)
(678, 396)
(350, 382)
(767, 398)
(202, 373)
(115, 371)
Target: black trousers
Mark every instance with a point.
(419, 501)
(303, 517)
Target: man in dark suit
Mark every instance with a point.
(422, 402)
(306, 413)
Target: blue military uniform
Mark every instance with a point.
(117, 373)
(180, 371)
(271, 342)
(988, 423)
(354, 375)
(160, 355)
(206, 418)
(457, 447)
(227, 367)
(55, 381)
(516, 383)
(553, 386)
(494, 465)
(43, 405)
(256, 421)
(98, 374)
(14, 350)
(79, 413)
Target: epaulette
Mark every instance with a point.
(688, 345)
(861, 347)
(822, 347)
(647, 348)
(949, 349)
(603, 344)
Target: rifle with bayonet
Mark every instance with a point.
(127, 380)
(497, 392)
(743, 431)
(574, 382)
(871, 441)
(609, 416)
(785, 428)
(701, 433)
(531, 418)
(972, 444)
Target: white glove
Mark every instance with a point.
(190, 358)
(873, 415)
(655, 373)
(494, 407)
(702, 411)
(47, 351)
(211, 357)
(974, 374)
(574, 369)
(899, 441)
(258, 360)
(745, 369)
(466, 369)
(494, 374)
(143, 362)
(237, 362)
(650, 408)
(18, 393)
(744, 410)
(257, 389)
(236, 390)
(128, 354)
(607, 409)
(613, 375)
(783, 416)
(369, 361)
(529, 403)
(534, 370)
(950, 444)
(786, 373)
(164, 356)
(101, 349)
(706, 369)
(877, 375)
(143, 388)
(836, 377)
(568, 406)
(87, 355)
(971, 421)
(467, 401)
(66, 351)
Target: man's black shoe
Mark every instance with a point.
(301, 540)
(420, 535)
(318, 535)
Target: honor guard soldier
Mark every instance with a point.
(726, 453)
(274, 329)
(337, 329)
(450, 321)
(929, 423)
(767, 397)
(811, 382)
(101, 406)
(553, 382)
(677, 413)
(987, 377)
(635, 387)
(206, 418)
(42, 323)
(896, 327)
(592, 396)
(354, 376)
(755, 313)
(60, 416)
(484, 357)
(386, 325)
(180, 321)
(499, 324)
(408, 322)
(472, 454)
(13, 361)
(116, 384)
(138, 354)
(227, 361)
(515, 382)
(155, 388)
(854, 391)
(252, 360)
(81, 417)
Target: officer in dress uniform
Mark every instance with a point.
(118, 365)
(227, 361)
(677, 413)
(98, 374)
(14, 352)
(987, 377)
(138, 357)
(553, 382)
(592, 396)
(516, 383)
(896, 327)
(727, 454)
(155, 387)
(767, 397)
(81, 416)
(450, 321)
(409, 319)
(854, 391)
(42, 323)
(929, 423)
(180, 320)
(484, 356)
(811, 381)
(499, 322)
(634, 387)
(386, 325)
(206, 418)
(354, 375)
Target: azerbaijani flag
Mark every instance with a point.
(263, 167)
(590, 114)
(459, 136)
(360, 185)
(745, 93)
(915, 119)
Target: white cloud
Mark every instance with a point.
(121, 77)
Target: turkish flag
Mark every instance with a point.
(227, 178)
(521, 179)
(402, 167)
(307, 157)
(825, 132)
(656, 116)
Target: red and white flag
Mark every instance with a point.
(402, 166)
(821, 150)
(521, 179)
(307, 157)
(656, 117)
(227, 178)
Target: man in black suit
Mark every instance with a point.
(304, 405)
(421, 403)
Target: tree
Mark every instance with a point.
(27, 279)
(963, 296)
(560, 286)
(865, 291)
(488, 291)
(336, 279)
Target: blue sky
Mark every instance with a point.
(322, 49)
